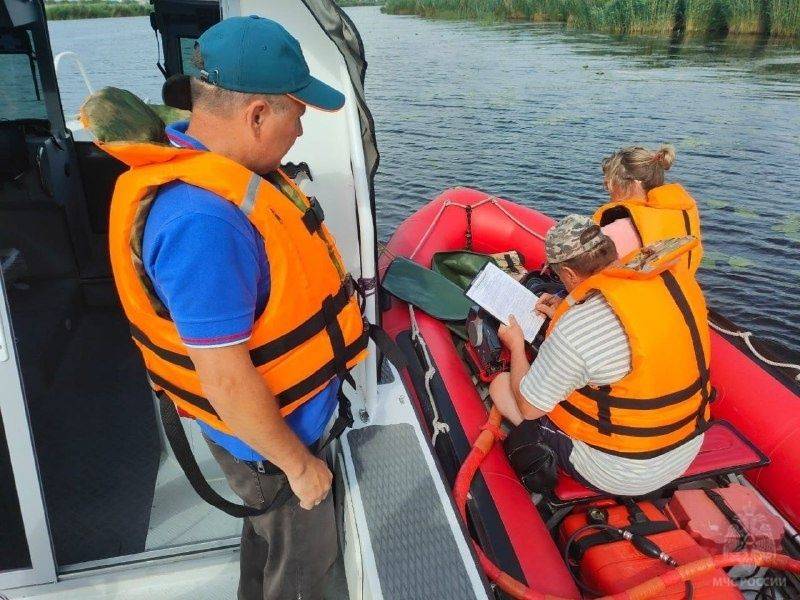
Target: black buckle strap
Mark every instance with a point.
(176, 437)
(604, 411)
(388, 348)
(324, 373)
(180, 360)
(688, 228)
(682, 303)
(344, 419)
(280, 346)
(272, 349)
(313, 216)
(643, 403)
(731, 516)
(185, 395)
(627, 429)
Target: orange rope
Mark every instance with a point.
(649, 589)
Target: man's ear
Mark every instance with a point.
(257, 113)
(567, 274)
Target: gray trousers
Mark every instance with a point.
(288, 552)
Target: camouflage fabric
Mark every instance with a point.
(649, 257)
(570, 237)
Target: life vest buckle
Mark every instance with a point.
(349, 284)
(314, 215)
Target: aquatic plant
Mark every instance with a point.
(781, 18)
(784, 18)
(639, 16)
(704, 16)
(746, 16)
(90, 9)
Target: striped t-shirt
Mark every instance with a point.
(588, 346)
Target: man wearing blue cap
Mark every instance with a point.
(209, 262)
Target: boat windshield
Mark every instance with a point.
(187, 52)
(21, 96)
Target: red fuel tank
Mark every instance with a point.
(697, 513)
(610, 567)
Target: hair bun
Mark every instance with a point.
(665, 156)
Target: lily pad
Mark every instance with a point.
(745, 212)
(739, 262)
(717, 203)
(711, 259)
(790, 224)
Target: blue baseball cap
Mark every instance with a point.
(258, 56)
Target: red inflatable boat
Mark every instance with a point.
(755, 436)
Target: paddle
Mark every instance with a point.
(426, 290)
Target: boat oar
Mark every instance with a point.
(425, 289)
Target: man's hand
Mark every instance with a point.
(511, 335)
(547, 304)
(241, 398)
(312, 484)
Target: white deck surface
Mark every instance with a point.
(206, 578)
(179, 516)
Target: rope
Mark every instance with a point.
(490, 200)
(746, 336)
(437, 425)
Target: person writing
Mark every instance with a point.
(642, 208)
(237, 298)
(601, 395)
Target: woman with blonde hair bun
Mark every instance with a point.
(643, 208)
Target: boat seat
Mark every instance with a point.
(725, 450)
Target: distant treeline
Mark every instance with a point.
(93, 9)
(777, 18)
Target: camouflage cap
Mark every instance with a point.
(570, 237)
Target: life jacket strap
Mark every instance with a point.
(314, 216)
(687, 225)
(706, 391)
(176, 436)
(311, 327)
(598, 394)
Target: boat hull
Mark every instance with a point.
(761, 402)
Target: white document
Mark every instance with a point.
(501, 295)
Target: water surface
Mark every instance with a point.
(528, 111)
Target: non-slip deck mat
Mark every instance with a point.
(415, 551)
(96, 439)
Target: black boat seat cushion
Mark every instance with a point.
(725, 450)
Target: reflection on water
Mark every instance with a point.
(528, 111)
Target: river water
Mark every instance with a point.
(528, 111)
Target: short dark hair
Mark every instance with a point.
(593, 261)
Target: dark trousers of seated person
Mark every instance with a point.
(537, 449)
(288, 552)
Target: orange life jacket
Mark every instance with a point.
(311, 329)
(663, 401)
(668, 211)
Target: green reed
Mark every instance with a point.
(705, 16)
(639, 16)
(654, 17)
(81, 9)
(746, 16)
(784, 18)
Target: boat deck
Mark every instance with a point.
(399, 533)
